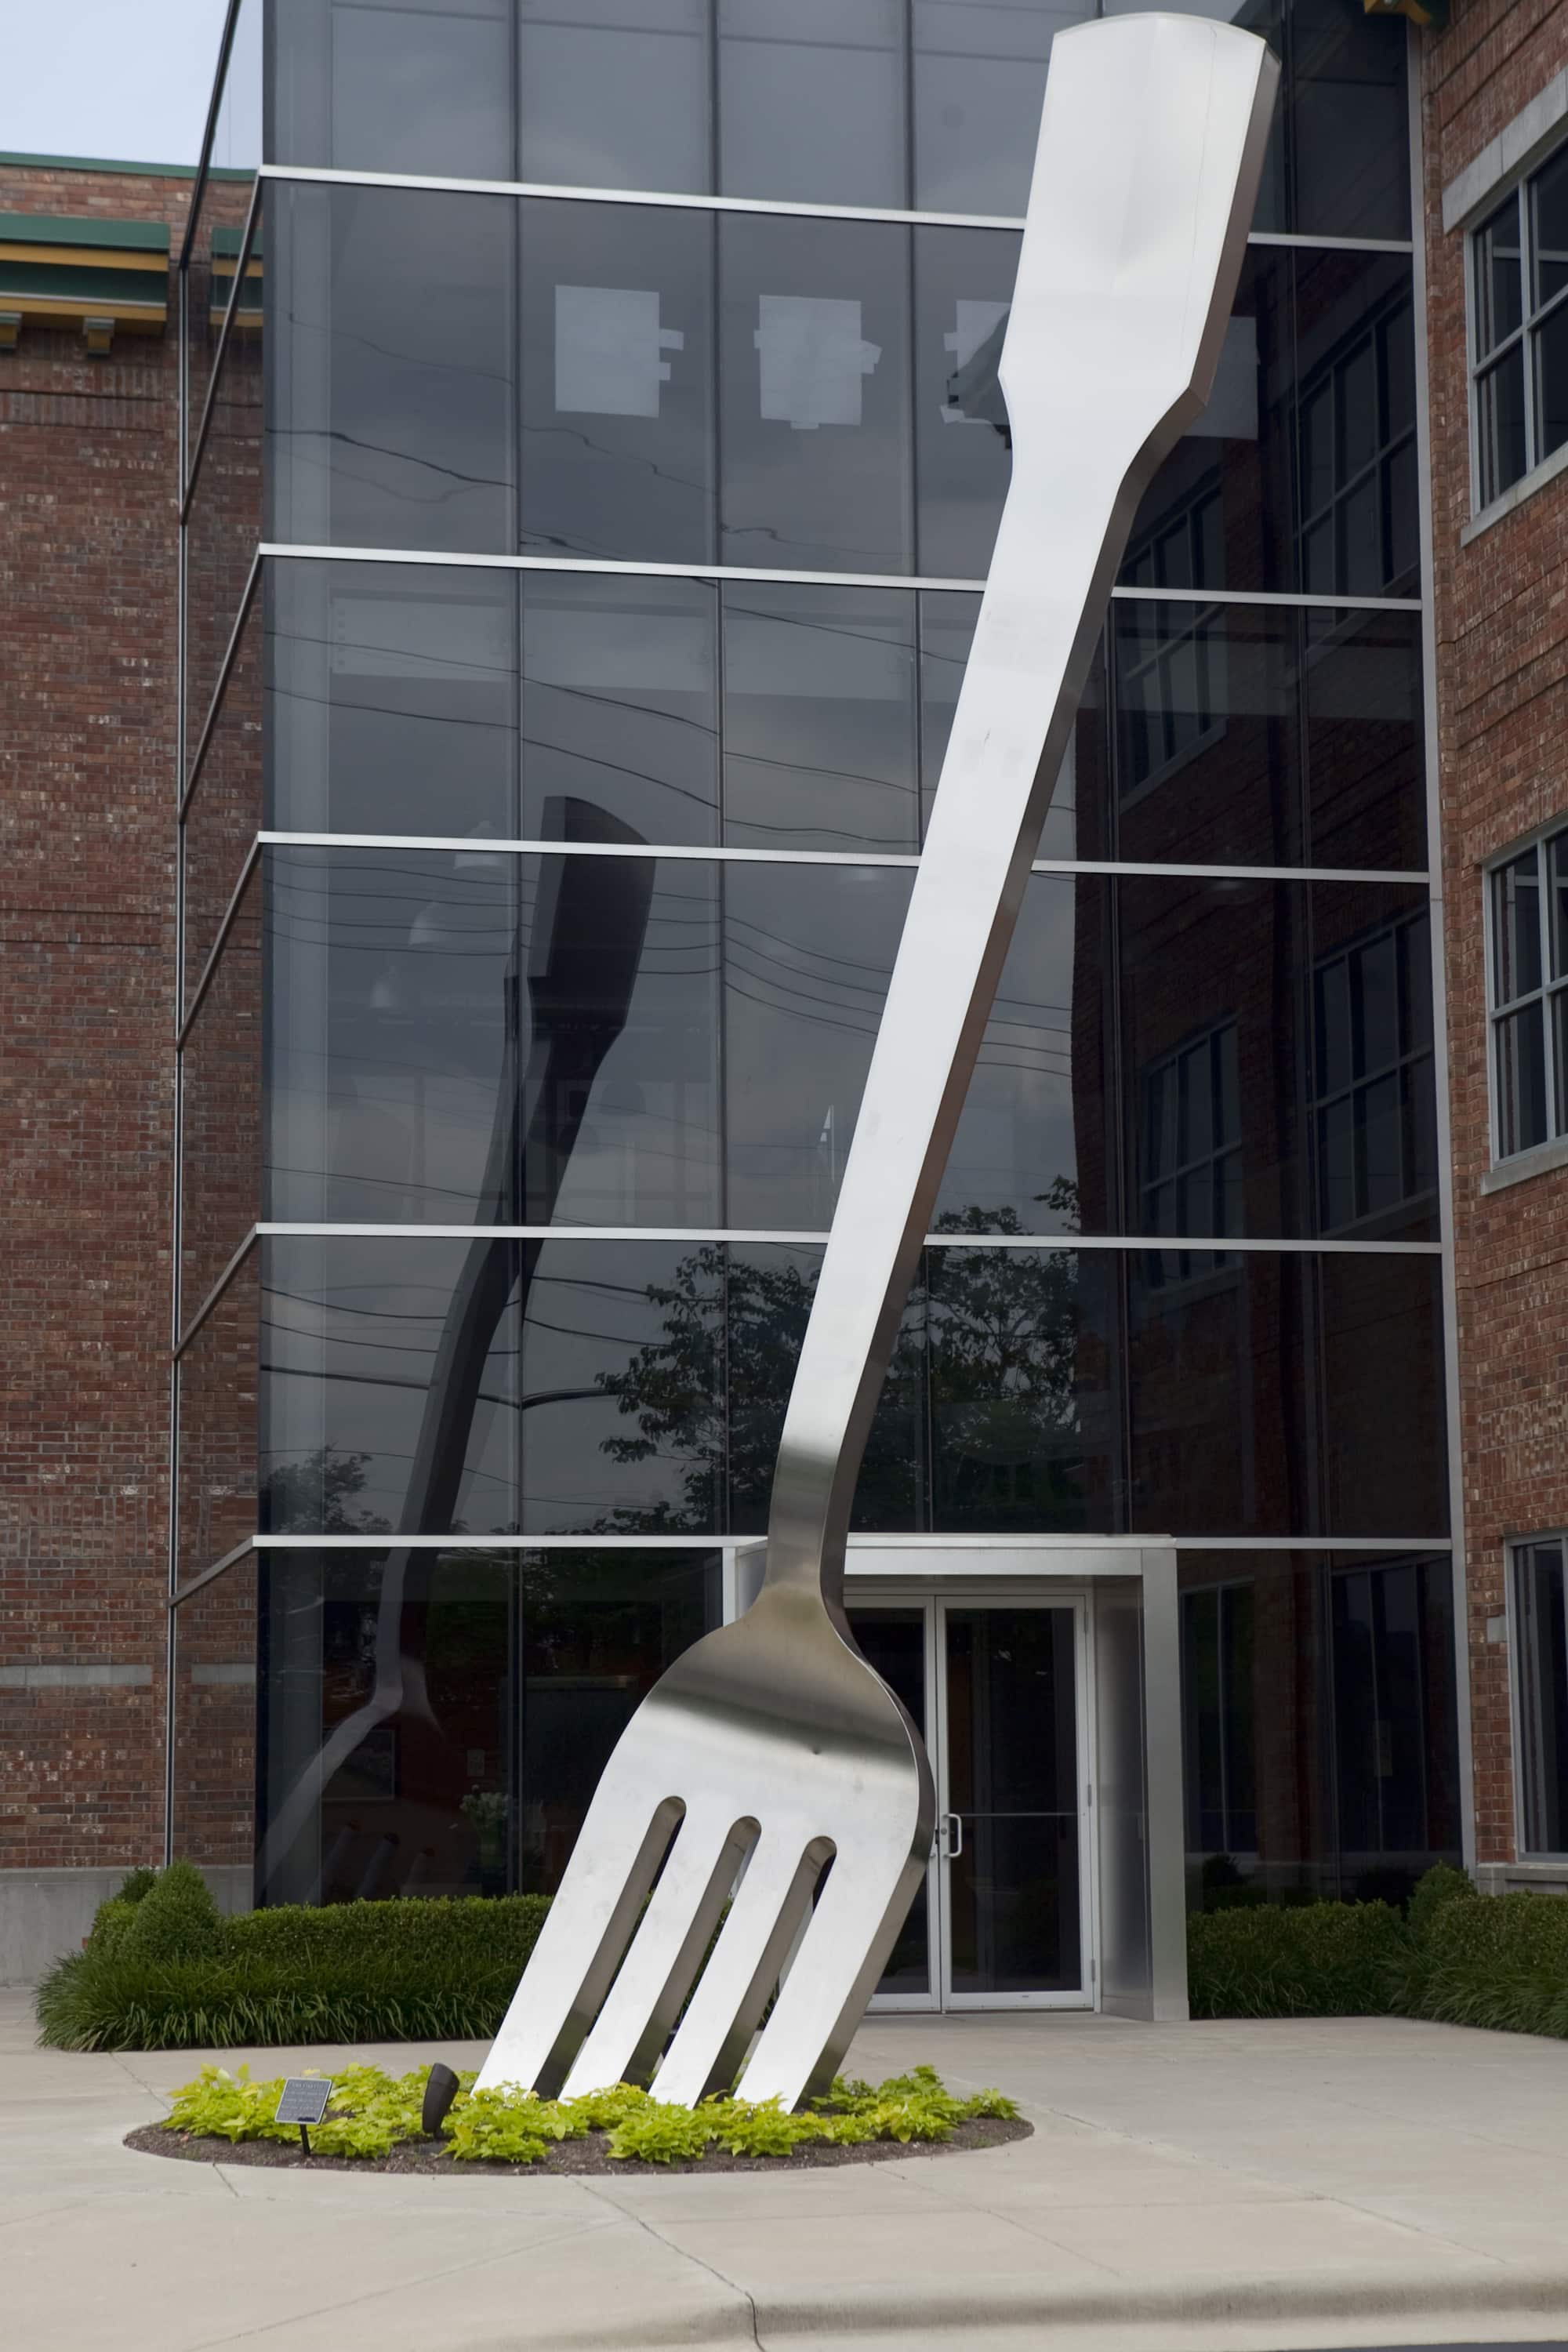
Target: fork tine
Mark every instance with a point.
(665, 1951)
(834, 1974)
(754, 1943)
(585, 1931)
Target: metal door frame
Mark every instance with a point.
(933, 1597)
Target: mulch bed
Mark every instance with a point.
(572, 2156)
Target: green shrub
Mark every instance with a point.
(176, 1920)
(136, 1884)
(1442, 1883)
(1500, 1962)
(403, 1971)
(1316, 1959)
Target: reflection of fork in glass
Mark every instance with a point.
(772, 1743)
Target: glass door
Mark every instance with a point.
(995, 1689)
(1010, 1781)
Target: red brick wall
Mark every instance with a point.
(1502, 635)
(86, 760)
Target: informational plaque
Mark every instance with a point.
(304, 2099)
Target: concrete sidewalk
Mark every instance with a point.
(1355, 2182)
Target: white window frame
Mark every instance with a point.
(1538, 470)
(1522, 1681)
(1554, 1144)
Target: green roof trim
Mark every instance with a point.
(21, 279)
(108, 164)
(55, 228)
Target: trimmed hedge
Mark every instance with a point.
(169, 1973)
(163, 1971)
(1314, 1960)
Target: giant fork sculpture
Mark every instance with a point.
(771, 1742)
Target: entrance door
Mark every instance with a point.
(995, 1688)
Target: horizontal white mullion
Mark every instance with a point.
(1132, 1541)
(680, 200)
(296, 551)
(722, 853)
(1221, 1243)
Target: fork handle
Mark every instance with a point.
(1150, 149)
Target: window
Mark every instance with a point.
(1528, 987)
(1358, 462)
(1191, 1169)
(1217, 1719)
(1373, 1018)
(1540, 1640)
(1519, 330)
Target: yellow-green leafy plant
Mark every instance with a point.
(653, 2133)
(764, 2129)
(509, 2127)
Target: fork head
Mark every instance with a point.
(770, 1749)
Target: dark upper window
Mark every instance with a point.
(1527, 988)
(1376, 1137)
(1519, 330)
(1541, 1646)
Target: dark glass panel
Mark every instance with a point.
(620, 704)
(1341, 143)
(213, 1775)
(811, 100)
(1222, 1342)
(1012, 1780)
(474, 1036)
(1218, 1734)
(1499, 284)
(218, 1386)
(894, 1641)
(393, 698)
(1519, 1043)
(947, 633)
(979, 79)
(768, 1290)
(1551, 346)
(1225, 1079)
(1319, 1725)
(617, 382)
(1541, 1635)
(1557, 903)
(1023, 1391)
(1516, 927)
(1393, 1648)
(220, 1109)
(615, 93)
(390, 1396)
(1034, 1151)
(391, 988)
(964, 288)
(1548, 228)
(528, 1667)
(1360, 691)
(1500, 443)
(421, 85)
(1281, 484)
(807, 951)
(816, 406)
(390, 406)
(224, 811)
(622, 1388)
(820, 719)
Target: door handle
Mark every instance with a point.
(952, 1828)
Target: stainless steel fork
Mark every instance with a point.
(771, 1743)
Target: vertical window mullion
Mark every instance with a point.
(1548, 1054)
(1526, 255)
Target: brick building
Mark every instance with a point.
(1316, 773)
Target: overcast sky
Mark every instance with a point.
(127, 79)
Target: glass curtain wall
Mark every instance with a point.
(537, 918)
